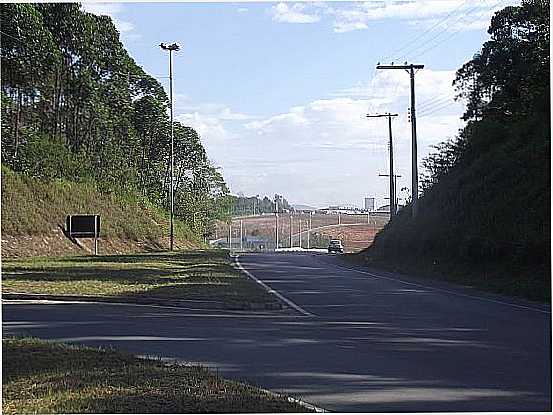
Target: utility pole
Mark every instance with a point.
(391, 149)
(299, 231)
(290, 230)
(276, 223)
(308, 232)
(410, 68)
(394, 193)
(172, 47)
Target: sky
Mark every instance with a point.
(278, 91)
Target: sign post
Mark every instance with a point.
(84, 226)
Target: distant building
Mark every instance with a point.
(344, 210)
(369, 204)
(385, 208)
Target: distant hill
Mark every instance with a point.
(304, 207)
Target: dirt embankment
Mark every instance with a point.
(34, 212)
(57, 244)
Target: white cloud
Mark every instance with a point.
(294, 118)
(326, 151)
(242, 10)
(283, 13)
(444, 16)
(229, 115)
(111, 10)
(210, 128)
(102, 9)
(184, 104)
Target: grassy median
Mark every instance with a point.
(191, 275)
(45, 377)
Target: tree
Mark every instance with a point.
(510, 75)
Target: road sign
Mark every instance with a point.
(84, 226)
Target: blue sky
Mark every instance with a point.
(278, 90)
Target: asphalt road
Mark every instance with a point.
(360, 342)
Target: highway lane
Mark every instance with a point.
(373, 344)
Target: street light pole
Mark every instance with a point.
(172, 47)
(241, 236)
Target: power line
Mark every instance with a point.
(461, 17)
(426, 50)
(427, 31)
(436, 104)
(434, 110)
(431, 102)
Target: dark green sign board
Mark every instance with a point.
(83, 226)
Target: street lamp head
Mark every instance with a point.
(172, 46)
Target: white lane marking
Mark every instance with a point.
(272, 291)
(474, 297)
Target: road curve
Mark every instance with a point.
(373, 342)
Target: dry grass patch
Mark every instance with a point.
(44, 377)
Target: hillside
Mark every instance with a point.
(34, 212)
(76, 107)
(484, 216)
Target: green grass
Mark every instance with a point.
(487, 221)
(45, 377)
(36, 207)
(189, 275)
(498, 278)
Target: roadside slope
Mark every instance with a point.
(34, 212)
(485, 214)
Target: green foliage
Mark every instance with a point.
(243, 205)
(47, 159)
(76, 106)
(510, 75)
(485, 206)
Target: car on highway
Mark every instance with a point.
(335, 245)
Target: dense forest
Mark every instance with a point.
(485, 208)
(76, 106)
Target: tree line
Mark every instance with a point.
(249, 205)
(76, 106)
(506, 88)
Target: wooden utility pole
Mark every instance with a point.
(410, 68)
(395, 194)
(391, 150)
